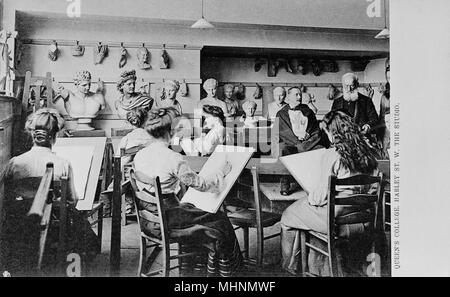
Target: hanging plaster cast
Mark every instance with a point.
(184, 90)
(78, 50)
(100, 52)
(123, 56)
(164, 60)
(53, 51)
(143, 56)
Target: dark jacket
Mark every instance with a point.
(362, 110)
(287, 136)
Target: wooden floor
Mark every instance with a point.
(130, 253)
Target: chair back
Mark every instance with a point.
(143, 197)
(41, 88)
(28, 205)
(366, 204)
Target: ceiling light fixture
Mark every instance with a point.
(202, 23)
(384, 34)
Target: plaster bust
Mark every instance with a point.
(210, 87)
(82, 104)
(130, 99)
(171, 88)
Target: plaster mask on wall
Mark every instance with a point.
(143, 56)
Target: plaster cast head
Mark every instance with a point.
(127, 82)
(228, 91)
(279, 94)
(171, 88)
(83, 81)
(143, 56)
(350, 86)
(249, 108)
(210, 87)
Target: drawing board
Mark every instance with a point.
(305, 168)
(92, 176)
(238, 157)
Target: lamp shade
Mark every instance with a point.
(384, 34)
(202, 24)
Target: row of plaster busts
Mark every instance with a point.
(84, 104)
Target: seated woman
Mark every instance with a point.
(349, 155)
(137, 138)
(43, 126)
(158, 160)
(205, 145)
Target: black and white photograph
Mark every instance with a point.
(209, 138)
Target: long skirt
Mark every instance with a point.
(303, 216)
(216, 234)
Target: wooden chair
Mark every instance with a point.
(119, 216)
(368, 205)
(41, 88)
(119, 176)
(38, 195)
(254, 218)
(167, 237)
(384, 167)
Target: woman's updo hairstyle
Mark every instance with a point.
(215, 111)
(159, 121)
(136, 117)
(43, 126)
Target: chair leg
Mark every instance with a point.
(142, 255)
(332, 259)
(124, 211)
(166, 260)
(259, 247)
(304, 252)
(246, 242)
(100, 228)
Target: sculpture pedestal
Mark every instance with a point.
(84, 124)
(88, 133)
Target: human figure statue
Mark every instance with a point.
(171, 88)
(230, 101)
(210, 87)
(279, 95)
(82, 104)
(130, 99)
